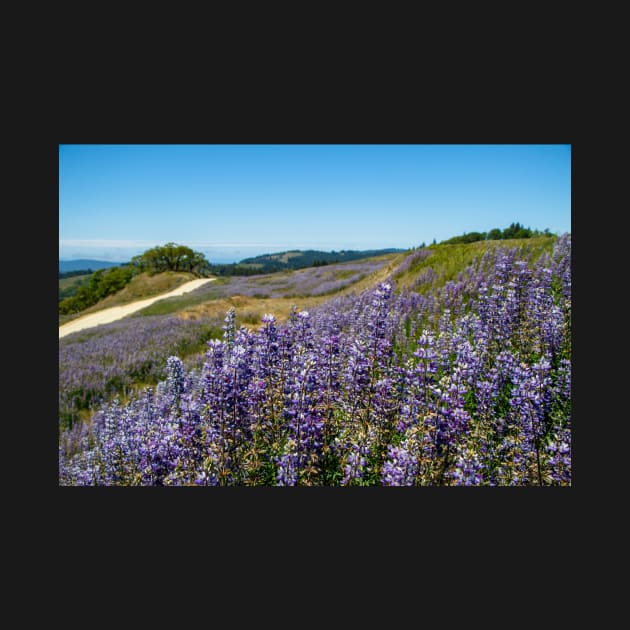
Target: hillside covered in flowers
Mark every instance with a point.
(424, 379)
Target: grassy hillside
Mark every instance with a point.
(444, 262)
(204, 309)
(454, 371)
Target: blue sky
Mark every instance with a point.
(234, 201)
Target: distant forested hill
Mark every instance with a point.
(299, 259)
(85, 264)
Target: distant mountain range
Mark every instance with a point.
(86, 263)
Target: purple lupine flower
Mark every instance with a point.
(354, 466)
(559, 458)
(353, 445)
(229, 327)
(175, 379)
(467, 469)
(399, 468)
(287, 474)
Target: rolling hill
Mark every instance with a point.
(300, 259)
(442, 365)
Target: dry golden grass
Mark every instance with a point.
(249, 310)
(143, 286)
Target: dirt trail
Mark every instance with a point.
(108, 315)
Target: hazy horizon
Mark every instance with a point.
(216, 254)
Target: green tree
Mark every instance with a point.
(494, 234)
(512, 230)
(171, 257)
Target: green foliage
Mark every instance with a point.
(494, 235)
(102, 283)
(171, 257)
(515, 230)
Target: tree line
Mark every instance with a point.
(514, 230)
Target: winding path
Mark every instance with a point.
(108, 315)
